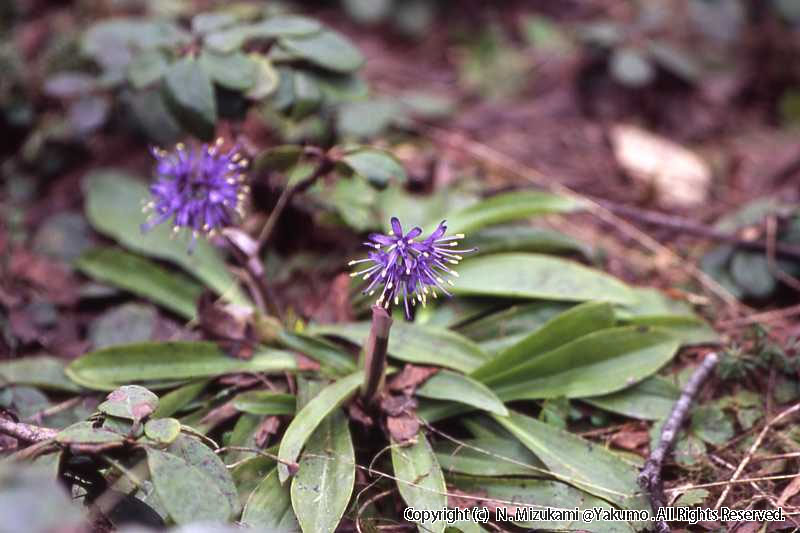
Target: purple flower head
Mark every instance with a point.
(200, 189)
(408, 268)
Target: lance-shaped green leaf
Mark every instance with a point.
(538, 276)
(186, 491)
(446, 385)
(567, 456)
(156, 361)
(322, 487)
(263, 402)
(310, 416)
(488, 456)
(563, 328)
(42, 371)
(420, 479)
(540, 494)
(598, 363)
(415, 343)
(175, 400)
(269, 507)
(516, 238)
(113, 206)
(141, 277)
(507, 207)
(333, 359)
(651, 399)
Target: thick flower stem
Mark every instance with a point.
(375, 354)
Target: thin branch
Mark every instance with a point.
(650, 476)
(26, 432)
(325, 165)
(756, 444)
(684, 225)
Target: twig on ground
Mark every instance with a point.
(26, 432)
(756, 444)
(689, 226)
(650, 476)
(325, 165)
(765, 317)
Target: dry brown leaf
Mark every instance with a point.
(790, 490)
(679, 176)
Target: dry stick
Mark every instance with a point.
(688, 226)
(26, 432)
(325, 165)
(650, 476)
(752, 450)
(512, 166)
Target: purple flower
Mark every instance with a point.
(408, 268)
(201, 189)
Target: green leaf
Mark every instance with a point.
(446, 385)
(710, 424)
(513, 238)
(131, 402)
(538, 276)
(567, 456)
(308, 418)
(174, 401)
(130, 322)
(86, 433)
(250, 472)
(578, 321)
(507, 207)
(278, 158)
(286, 25)
(414, 343)
(598, 363)
(752, 272)
(113, 206)
(147, 67)
(200, 456)
(488, 456)
(234, 71)
(377, 166)
(363, 119)
(163, 430)
(541, 493)
(190, 96)
(207, 22)
(186, 491)
(263, 402)
(332, 359)
(328, 49)
(41, 371)
(266, 78)
(307, 95)
(420, 479)
(141, 277)
(322, 487)
(651, 399)
(269, 507)
(155, 361)
(687, 329)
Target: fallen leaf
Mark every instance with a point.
(679, 176)
(268, 427)
(410, 378)
(403, 427)
(790, 490)
(630, 440)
